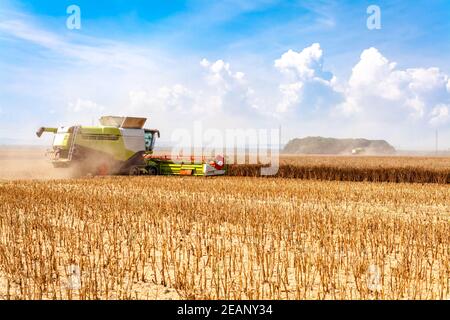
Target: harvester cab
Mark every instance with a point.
(120, 145)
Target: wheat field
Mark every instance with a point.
(408, 169)
(223, 238)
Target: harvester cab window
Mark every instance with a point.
(148, 141)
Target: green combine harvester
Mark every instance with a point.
(121, 145)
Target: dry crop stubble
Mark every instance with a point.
(224, 237)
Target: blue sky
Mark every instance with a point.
(181, 61)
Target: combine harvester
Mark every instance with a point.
(121, 145)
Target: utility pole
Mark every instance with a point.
(437, 142)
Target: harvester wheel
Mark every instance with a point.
(152, 171)
(134, 171)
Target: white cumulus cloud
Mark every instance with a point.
(440, 115)
(219, 73)
(307, 83)
(378, 89)
(303, 65)
(228, 91)
(219, 91)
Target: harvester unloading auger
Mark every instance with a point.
(121, 145)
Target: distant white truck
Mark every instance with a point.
(358, 150)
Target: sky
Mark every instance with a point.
(311, 68)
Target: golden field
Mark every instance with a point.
(412, 169)
(223, 238)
